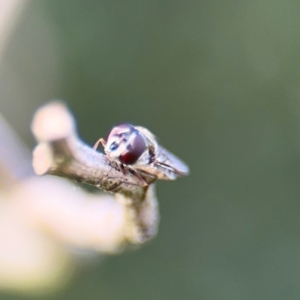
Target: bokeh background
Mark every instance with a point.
(218, 82)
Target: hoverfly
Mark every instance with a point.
(136, 149)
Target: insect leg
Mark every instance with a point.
(102, 141)
(112, 186)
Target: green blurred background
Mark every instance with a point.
(219, 83)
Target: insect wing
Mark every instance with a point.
(166, 165)
(169, 164)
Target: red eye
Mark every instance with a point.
(134, 150)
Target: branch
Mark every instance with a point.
(9, 15)
(14, 156)
(61, 153)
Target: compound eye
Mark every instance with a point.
(134, 150)
(120, 130)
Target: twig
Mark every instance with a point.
(14, 156)
(61, 153)
(10, 11)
